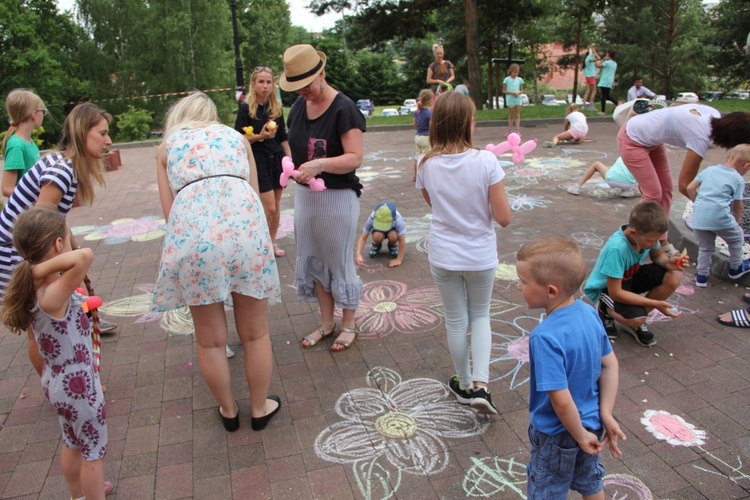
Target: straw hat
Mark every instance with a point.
(302, 64)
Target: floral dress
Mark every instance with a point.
(70, 380)
(217, 239)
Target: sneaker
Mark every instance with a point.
(628, 193)
(575, 189)
(701, 280)
(230, 353)
(462, 395)
(643, 336)
(741, 270)
(608, 321)
(393, 250)
(107, 326)
(375, 250)
(481, 401)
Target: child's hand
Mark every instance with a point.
(359, 260)
(613, 434)
(395, 263)
(591, 444)
(668, 309)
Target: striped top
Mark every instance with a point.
(51, 168)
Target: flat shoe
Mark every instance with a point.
(346, 343)
(260, 423)
(107, 326)
(311, 342)
(278, 252)
(230, 424)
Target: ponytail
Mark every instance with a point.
(19, 299)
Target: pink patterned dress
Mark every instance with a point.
(217, 239)
(70, 380)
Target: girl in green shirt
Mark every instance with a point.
(26, 112)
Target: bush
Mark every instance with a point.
(134, 124)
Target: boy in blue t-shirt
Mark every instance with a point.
(574, 375)
(720, 186)
(384, 223)
(620, 277)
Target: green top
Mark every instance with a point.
(607, 75)
(20, 155)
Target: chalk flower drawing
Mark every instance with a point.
(177, 321)
(123, 230)
(495, 476)
(394, 427)
(511, 352)
(672, 428)
(555, 163)
(389, 306)
(525, 202)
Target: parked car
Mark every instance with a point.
(579, 101)
(738, 94)
(660, 97)
(409, 107)
(687, 97)
(712, 95)
(366, 106)
(499, 103)
(551, 100)
(389, 112)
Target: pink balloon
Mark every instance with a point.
(501, 148)
(317, 184)
(517, 157)
(528, 146)
(514, 139)
(287, 166)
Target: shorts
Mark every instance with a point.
(558, 464)
(644, 280)
(423, 143)
(590, 80)
(268, 166)
(621, 185)
(577, 134)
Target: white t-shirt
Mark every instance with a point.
(578, 122)
(462, 237)
(634, 93)
(686, 126)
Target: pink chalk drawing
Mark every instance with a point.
(395, 427)
(371, 268)
(626, 487)
(388, 307)
(676, 431)
(123, 230)
(685, 289)
(286, 225)
(511, 352)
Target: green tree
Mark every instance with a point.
(265, 31)
(730, 63)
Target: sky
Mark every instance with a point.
(301, 16)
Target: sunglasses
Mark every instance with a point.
(42, 111)
(263, 68)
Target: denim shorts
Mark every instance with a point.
(558, 464)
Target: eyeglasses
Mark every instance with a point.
(42, 111)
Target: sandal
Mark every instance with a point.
(311, 342)
(345, 343)
(277, 251)
(739, 319)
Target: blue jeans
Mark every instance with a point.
(466, 299)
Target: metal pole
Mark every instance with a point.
(237, 58)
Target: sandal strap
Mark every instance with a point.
(740, 318)
(323, 335)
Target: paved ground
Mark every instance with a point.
(339, 432)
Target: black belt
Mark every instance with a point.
(210, 177)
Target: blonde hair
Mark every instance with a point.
(194, 110)
(426, 96)
(20, 105)
(573, 107)
(740, 152)
(555, 260)
(512, 67)
(73, 139)
(436, 47)
(274, 106)
(34, 233)
(450, 127)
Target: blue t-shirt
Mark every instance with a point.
(720, 185)
(607, 76)
(589, 67)
(565, 352)
(423, 117)
(617, 260)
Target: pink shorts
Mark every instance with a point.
(590, 80)
(577, 134)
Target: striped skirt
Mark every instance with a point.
(325, 227)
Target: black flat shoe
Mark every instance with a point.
(230, 424)
(258, 424)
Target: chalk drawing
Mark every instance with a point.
(371, 268)
(123, 230)
(417, 227)
(554, 163)
(597, 190)
(506, 272)
(525, 202)
(368, 174)
(493, 476)
(388, 307)
(584, 154)
(383, 156)
(587, 239)
(510, 351)
(528, 175)
(626, 487)
(286, 224)
(676, 431)
(423, 245)
(395, 427)
(685, 289)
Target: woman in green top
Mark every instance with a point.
(607, 78)
(26, 112)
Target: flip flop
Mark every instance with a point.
(311, 342)
(278, 252)
(346, 343)
(739, 319)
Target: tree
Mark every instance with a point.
(265, 31)
(730, 22)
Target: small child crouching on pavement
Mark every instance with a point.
(574, 375)
(384, 223)
(720, 186)
(620, 277)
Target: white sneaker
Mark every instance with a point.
(628, 193)
(575, 189)
(230, 353)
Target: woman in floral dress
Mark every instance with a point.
(217, 246)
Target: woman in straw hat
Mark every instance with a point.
(325, 138)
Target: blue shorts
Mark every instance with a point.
(558, 464)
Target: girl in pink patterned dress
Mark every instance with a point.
(42, 295)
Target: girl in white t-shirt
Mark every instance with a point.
(576, 128)
(464, 187)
